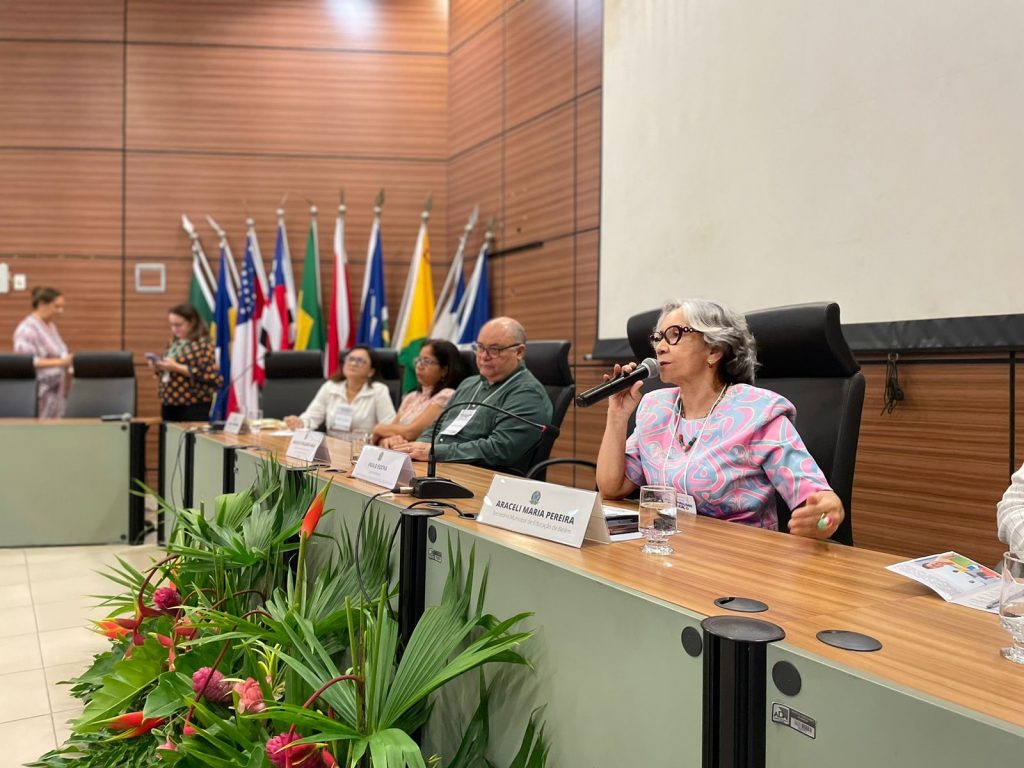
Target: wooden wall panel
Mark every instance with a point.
(539, 179)
(60, 202)
(145, 314)
(467, 17)
(586, 295)
(295, 102)
(162, 187)
(929, 475)
(589, 44)
(538, 289)
(91, 321)
(61, 94)
(475, 179)
(474, 91)
(589, 422)
(539, 65)
(396, 25)
(62, 19)
(588, 161)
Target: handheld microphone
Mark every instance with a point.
(644, 370)
(433, 487)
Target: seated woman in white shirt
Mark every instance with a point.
(439, 371)
(350, 401)
(1010, 514)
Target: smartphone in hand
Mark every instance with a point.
(153, 357)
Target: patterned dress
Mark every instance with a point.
(204, 378)
(41, 340)
(748, 451)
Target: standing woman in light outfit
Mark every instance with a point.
(37, 335)
(350, 401)
(438, 372)
(713, 435)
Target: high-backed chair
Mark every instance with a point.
(803, 356)
(293, 378)
(389, 372)
(549, 362)
(103, 384)
(18, 387)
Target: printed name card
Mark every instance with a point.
(544, 510)
(307, 445)
(236, 424)
(383, 467)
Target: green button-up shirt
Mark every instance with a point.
(492, 439)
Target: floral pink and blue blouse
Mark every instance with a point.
(748, 450)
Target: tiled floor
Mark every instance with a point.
(45, 607)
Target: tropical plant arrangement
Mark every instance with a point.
(225, 654)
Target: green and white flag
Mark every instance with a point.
(200, 291)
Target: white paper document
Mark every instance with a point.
(955, 578)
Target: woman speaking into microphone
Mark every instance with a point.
(725, 445)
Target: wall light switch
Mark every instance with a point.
(5, 277)
(20, 283)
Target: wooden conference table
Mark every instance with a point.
(608, 662)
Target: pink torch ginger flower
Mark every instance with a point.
(250, 697)
(166, 598)
(301, 756)
(211, 684)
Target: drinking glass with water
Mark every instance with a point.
(657, 518)
(1011, 605)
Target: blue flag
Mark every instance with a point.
(373, 320)
(222, 340)
(476, 303)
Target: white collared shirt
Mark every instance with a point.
(371, 405)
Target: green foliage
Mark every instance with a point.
(122, 689)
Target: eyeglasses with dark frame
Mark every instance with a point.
(671, 334)
(492, 351)
(426, 361)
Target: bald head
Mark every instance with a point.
(500, 346)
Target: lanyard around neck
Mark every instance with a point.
(494, 391)
(675, 428)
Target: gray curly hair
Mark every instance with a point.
(723, 330)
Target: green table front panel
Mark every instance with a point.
(208, 472)
(608, 664)
(861, 721)
(64, 484)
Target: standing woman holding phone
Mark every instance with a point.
(37, 335)
(188, 373)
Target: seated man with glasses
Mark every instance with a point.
(478, 434)
(725, 445)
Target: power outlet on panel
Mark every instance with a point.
(20, 283)
(5, 278)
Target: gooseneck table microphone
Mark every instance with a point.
(433, 487)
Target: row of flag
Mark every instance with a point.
(249, 314)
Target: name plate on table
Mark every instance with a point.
(236, 424)
(544, 510)
(383, 467)
(307, 445)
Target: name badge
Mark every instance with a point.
(460, 421)
(236, 424)
(342, 419)
(307, 445)
(383, 467)
(544, 510)
(685, 503)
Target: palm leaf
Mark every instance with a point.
(129, 679)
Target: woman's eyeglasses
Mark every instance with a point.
(672, 334)
(425, 361)
(357, 360)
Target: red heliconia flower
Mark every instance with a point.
(166, 598)
(187, 730)
(250, 697)
(299, 756)
(316, 509)
(110, 628)
(328, 759)
(134, 724)
(210, 684)
(169, 746)
(185, 630)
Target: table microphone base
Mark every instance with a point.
(438, 488)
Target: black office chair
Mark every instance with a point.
(548, 361)
(803, 356)
(390, 372)
(292, 380)
(104, 384)
(18, 398)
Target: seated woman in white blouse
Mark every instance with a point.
(439, 371)
(350, 401)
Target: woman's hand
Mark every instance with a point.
(293, 422)
(818, 517)
(395, 442)
(168, 365)
(622, 404)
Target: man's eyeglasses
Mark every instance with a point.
(492, 351)
(425, 361)
(672, 334)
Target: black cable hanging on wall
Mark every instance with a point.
(893, 393)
